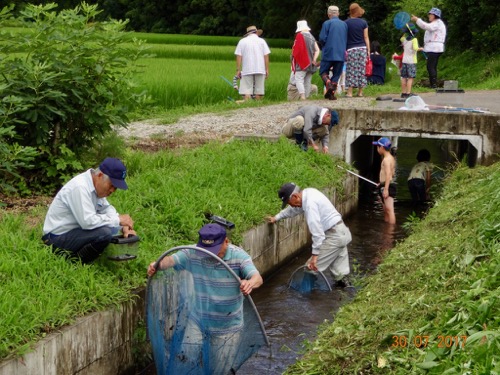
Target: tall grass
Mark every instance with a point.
(440, 284)
(168, 195)
(203, 52)
(179, 82)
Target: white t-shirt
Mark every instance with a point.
(252, 50)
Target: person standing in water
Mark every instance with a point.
(387, 187)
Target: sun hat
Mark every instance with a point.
(355, 10)
(383, 142)
(286, 191)
(436, 12)
(211, 238)
(302, 26)
(253, 30)
(116, 171)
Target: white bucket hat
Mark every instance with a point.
(302, 26)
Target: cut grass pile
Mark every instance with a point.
(169, 193)
(433, 306)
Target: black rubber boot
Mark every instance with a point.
(300, 141)
(90, 252)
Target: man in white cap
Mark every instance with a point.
(309, 125)
(333, 43)
(252, 64)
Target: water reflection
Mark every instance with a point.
(291, 317)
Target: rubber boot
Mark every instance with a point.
(328, 85)
(90, 252)
(300, 141)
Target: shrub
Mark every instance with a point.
(72, 81)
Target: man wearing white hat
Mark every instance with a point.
(252, 63)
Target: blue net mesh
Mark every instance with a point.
(306, 281)
(401, 19)
(197, 326)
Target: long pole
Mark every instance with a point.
(357, 175)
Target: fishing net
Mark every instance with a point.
(305, 281)
(415, 103)
(401, 19)
(198, 320)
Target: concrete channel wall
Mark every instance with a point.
(102, 343)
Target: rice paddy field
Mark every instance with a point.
(192, 71)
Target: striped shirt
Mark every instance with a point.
(219, 301)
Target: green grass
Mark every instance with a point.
(443, 280)
(174, 83)
(187, 78)
(169, 193)
(202, 40)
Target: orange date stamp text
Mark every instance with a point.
(422, 341)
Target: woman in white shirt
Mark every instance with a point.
(434, 38)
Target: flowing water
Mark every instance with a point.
(291, 317)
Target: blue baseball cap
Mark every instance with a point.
(211, 238)
(383, 142)
(116, 171)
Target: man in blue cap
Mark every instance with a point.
(80, 222)
(387, 187)
(214, 322)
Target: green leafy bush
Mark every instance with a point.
(72, 81)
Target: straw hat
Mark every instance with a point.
(355, 11)
(253, 30)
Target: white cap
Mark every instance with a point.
(333, 9)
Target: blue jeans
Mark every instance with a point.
(78, 239)
(324, 69)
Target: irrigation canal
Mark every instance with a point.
(291, 317)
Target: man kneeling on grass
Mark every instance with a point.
(80, 222)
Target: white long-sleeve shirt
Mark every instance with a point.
(76, 205)
(319, 212)
(435, 35)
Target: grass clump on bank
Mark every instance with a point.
(169, 192)
(433, 306)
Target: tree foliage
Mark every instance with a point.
(71, 84)
(471, 24)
